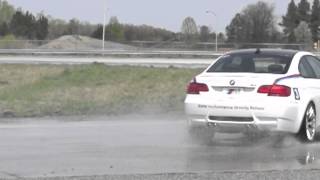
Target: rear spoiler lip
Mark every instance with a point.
(287, 77)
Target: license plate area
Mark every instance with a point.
(233, 90)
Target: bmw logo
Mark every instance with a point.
(232, 82)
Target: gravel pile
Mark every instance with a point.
(75, 42)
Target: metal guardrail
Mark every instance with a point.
(116, 53)
(113, 53)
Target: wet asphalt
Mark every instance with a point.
(138, 144)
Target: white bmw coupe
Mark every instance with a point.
(257, 89)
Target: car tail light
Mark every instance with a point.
(196, 88)
(275, 90)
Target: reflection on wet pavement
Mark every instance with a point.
(236, 152)
(103, 145)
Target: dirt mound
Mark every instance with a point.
(75, 42)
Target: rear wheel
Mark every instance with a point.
(308, 128)
(202, 135)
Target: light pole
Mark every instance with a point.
(215, 15)
(104, 23)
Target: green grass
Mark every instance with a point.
(39, 90)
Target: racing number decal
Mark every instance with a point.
(296, 93)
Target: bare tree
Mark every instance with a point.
(189, 29)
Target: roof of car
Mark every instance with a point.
(279, 52)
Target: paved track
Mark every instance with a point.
(80, 146)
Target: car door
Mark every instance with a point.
(312, 72)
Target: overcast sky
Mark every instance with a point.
(167, 14)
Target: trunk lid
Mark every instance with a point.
(236, 84)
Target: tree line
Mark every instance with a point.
(22, 24)
(258, 24)
(191, 33)
(115, 31)
(26, 25)
(302, 21)
(16, 23)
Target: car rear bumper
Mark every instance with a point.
(231, 115)
(234, 126)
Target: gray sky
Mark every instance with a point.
(167, 14)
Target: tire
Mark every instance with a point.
(203, 135)
(307, 131)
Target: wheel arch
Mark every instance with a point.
(303, 111)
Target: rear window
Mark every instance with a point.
(252, 63)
